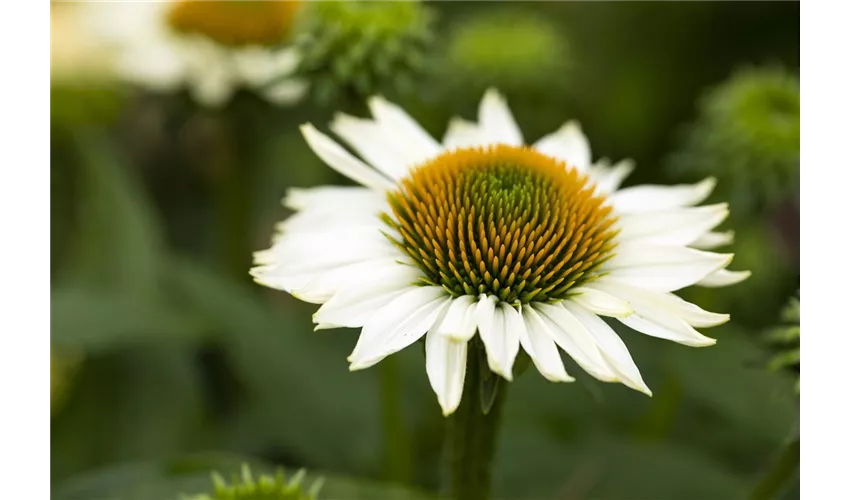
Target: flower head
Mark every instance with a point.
(353, 49)
(525, 246)
(266, 487)
(748, 135)
(212, 48)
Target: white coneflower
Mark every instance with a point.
(211, 48)
(525, 246)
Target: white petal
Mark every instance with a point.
(464, 134)
(572, 336)
(370, 141)
(679, 226)
(711, 240)
(495, 118)
(445, 363)
(156, 66)
(340, 160)
(663, 268)
(459, 322)
(500, 341)
(398, 125)
(398, 324)
(668, 303)
(600, 302)
(330, 197)
(612, 348)
(608, 179)
(540, 347)
(317, 251)
(354, 311)
(652, 317)
(647, 198)
(723, 277)
(358, 277)
(569, 144)
(286, 92)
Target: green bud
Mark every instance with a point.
(263, 487)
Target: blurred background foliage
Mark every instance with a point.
(167, 363)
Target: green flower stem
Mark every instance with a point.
(775, 480)
(232, 176)
(472, 434)
(397, 450)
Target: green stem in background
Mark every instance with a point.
(472, 433)
(232, 187)
(775, 480)
(397, 449)
(659, 420)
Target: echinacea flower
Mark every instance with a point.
(211, 48)
(525, 246)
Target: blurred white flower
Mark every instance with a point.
(212, 48)
(525, 246)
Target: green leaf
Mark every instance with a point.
(138, 403)
(94, 320)
(297, 381)
(119, 238)
(168, 480)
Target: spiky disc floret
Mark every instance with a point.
(354, 49)
(265, 487)
(235, 22)
(503, 220)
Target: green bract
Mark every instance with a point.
(265, 487)
(517, 52)
(787, 337)
(351, 50)
(748, 135)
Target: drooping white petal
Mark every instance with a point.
(459, 322)
(354, 310)
(670, 304)
(321, 250)
(572, 336)
(500, 341)
(647, 198)
(211, 79)
(328, 197)
(343, 162)
(464, 134)
(495, 118)
(370, 141)
(286, 92)
(608, 179)
(569, 144)
(600, 302)
(663, 268)
(540, 347)
(713, 239)
(357, 277)
(399, 126)
(612, 348)
(258, 66)
(723, 277)
(653, 318)
(445, 363)
(398, 324)
(679, 226)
